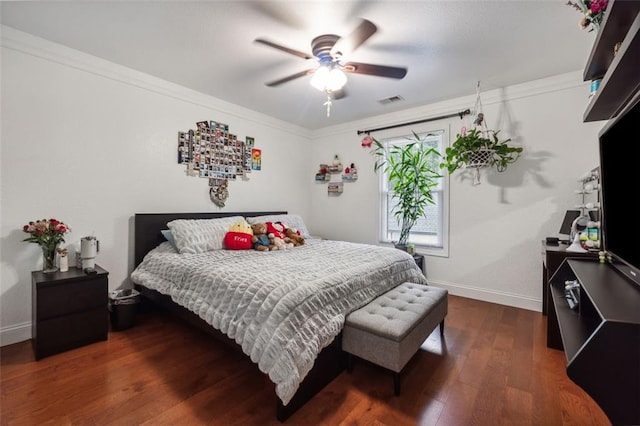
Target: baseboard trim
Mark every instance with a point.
(15, 334)
(21, 332)
(493, 296)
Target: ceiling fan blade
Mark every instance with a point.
(283, 48)
(289, 78)
(378, 70)
(345, 45)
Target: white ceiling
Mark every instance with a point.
(447, 47)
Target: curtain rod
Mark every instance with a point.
(456, 114)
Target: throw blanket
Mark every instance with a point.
(281, 307)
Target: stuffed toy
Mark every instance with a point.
(276, 228)
(294, 236)
(260, 239)
(280, 243)
(239, 236)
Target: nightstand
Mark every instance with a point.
(419, 259)
(69, 310)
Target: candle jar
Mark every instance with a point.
(64, 262)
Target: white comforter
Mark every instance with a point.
(281, 307)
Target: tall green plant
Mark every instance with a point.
(410, 168)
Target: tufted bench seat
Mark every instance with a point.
(390, 329)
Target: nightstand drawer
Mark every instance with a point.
(71, 297)
(67, 332)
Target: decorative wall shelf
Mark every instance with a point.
(620, 76)
(334, 188)
(326, 172)
(350, 174)
(617, 22)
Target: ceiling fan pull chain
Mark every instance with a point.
(328, 105)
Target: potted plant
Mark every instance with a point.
(411, 176)
(478, 148)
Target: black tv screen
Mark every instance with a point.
(619, 143)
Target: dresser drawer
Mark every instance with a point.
(62, 333)
(70, 297)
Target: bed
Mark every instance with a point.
(283, 309)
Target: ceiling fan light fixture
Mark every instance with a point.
(327, 79)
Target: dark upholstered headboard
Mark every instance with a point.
(147, 227)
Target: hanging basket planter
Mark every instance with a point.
(479, 147)
(479, 158)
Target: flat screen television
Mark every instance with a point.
(619, 142)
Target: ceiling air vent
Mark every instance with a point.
(391, 100)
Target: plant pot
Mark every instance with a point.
(402, 247)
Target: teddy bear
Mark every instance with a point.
(260, 239)
(293, 236)
(280, 243)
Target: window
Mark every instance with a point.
(430, 232)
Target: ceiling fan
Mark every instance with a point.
(331, 52)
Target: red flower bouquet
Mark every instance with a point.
(593, 11)
(48, 234)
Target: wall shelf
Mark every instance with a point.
(618, 19)
(620, 76)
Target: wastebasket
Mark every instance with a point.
(123, 305)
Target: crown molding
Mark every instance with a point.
(495, 96)
(29, 44)
(54, 52)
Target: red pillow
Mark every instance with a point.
(237, 241)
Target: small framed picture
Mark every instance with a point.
(256, 159)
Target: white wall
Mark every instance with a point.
(91, 143)
(496, 227)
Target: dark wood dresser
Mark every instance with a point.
(69, 310)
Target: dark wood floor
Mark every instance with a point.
(491, 368)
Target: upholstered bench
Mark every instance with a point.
(389, 330)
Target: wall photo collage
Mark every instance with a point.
(211, 152)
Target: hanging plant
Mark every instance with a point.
(478, 148)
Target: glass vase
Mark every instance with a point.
(49, 259)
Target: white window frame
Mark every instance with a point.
(439, 247)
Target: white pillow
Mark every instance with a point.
(200, 235)
(291, 220)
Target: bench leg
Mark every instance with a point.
(396, 384)
(442, 328)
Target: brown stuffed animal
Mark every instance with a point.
(294, 237)
(261, 240)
